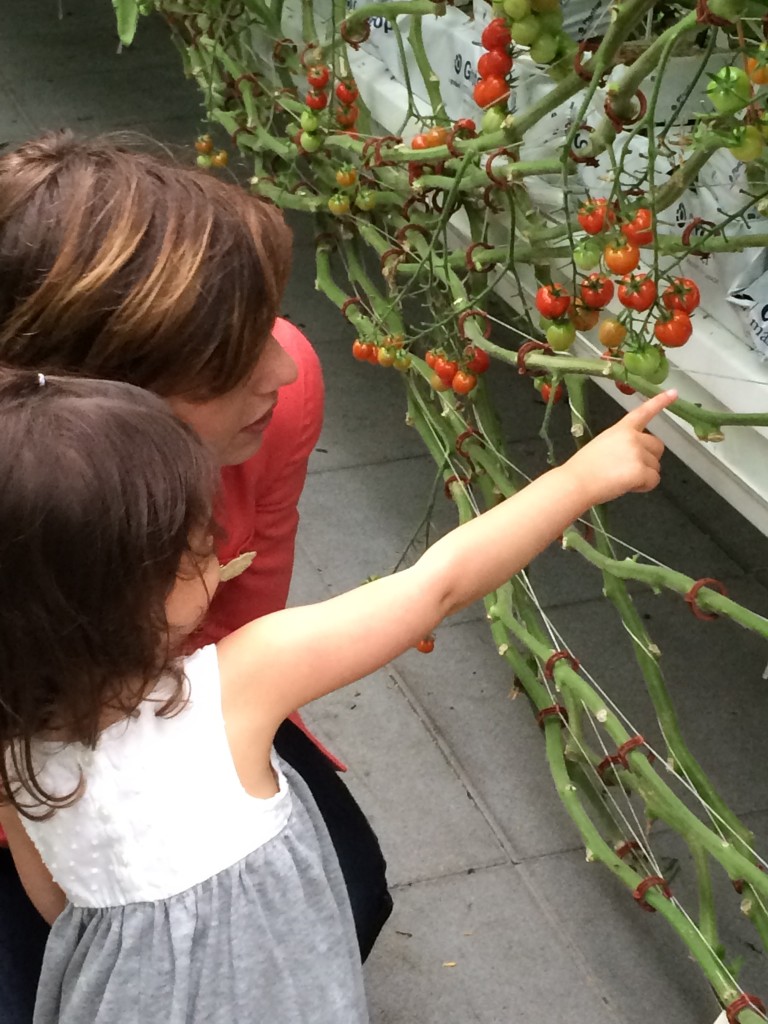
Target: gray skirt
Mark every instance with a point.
(269, 940)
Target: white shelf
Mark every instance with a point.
(715, 368)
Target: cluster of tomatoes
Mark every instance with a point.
(493, 67)
(730, 91)
(616, 246)
(205, 154)
(450, 374)
(389, 353)
(318, 79)
(537, 24)
(347, 193)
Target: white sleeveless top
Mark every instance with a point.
(162, 808)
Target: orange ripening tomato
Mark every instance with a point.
(611, 333)
(621, 259)
(582, 318)
(436, 136)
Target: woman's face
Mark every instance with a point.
(233, 425)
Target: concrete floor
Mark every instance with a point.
(498, 916)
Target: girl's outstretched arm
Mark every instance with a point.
(282, 661)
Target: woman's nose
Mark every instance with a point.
(274, 369)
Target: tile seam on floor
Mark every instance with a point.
(454, 763)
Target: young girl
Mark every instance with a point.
(106, 566)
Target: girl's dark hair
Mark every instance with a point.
(119, 264)
(102, 494)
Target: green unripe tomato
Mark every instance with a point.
(561, 334)
(493, 119)
(552, 22)
(750, 143)
(544, 50)
(203, 160)
(311, 142)
(545, 6)
(648, 362)
(526, 31)
(309, 121)
(587, 255)
(730, 90)
(517, 9)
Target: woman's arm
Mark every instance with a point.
(47, 897)
(282, 661)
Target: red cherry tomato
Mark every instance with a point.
(552, 301)
(318, 76)
(596, 215)
(446, 369)
(346, 116)
(478, 359)
(674, 328)
(361, 350)
(640, 229)
(637, 291)
(430, 358)
(496, 35)
(463, 382)
(346, 93)
(427, 645)
(683, 294)
(436, 136)
(625, 389)
(419, 142)
(621, 259)
(547, 392)
(494, 62)
(316, 100)
(596, 291)
(491, 90)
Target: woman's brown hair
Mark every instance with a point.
(119, 264)
(103, 492)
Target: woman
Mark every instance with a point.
(116, 264)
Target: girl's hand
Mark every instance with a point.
(624, 457)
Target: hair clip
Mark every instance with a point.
(41, 380)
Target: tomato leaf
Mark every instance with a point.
(127, 14)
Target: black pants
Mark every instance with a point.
(23, 932)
